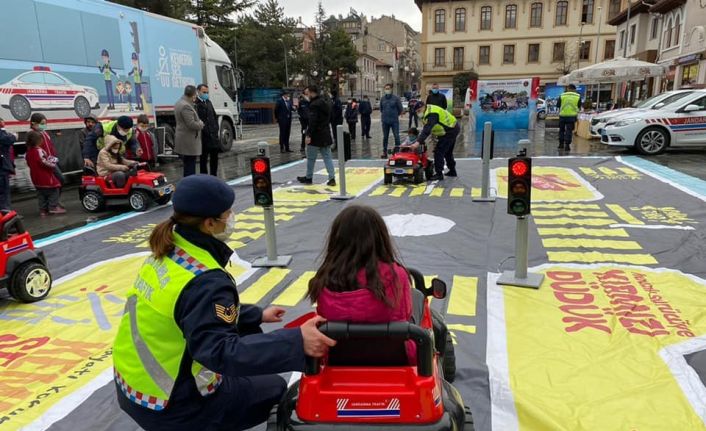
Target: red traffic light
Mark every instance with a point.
(519, 168)
(260, 166)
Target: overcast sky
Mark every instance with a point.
(405, 10)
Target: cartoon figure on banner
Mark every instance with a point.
(128, 93)
(120, 91)
(106, 70)
(136, 74)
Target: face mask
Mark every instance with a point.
(204, 96)
(411, 138)
(229, 229)
(435, 91)
(143, 129)
(388, 91)
(122, 132)
(42, 127)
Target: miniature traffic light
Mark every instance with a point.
(261, 181)
(519, 185)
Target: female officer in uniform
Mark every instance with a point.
(188, 355)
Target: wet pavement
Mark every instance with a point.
(237, 163)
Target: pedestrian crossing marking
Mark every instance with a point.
(258, 290)
(437, 192)
(624, 215)
(569, 213)
(278, 210)
(588, 171)
(246, 216)
(579, 221)
(286, 203)
(471, 329)
(236, 244)
(432, 190)
(250, 226)
(566, 206)
(608, 171)
(398, 192)
(456, 192)
(582, 231)
(463, 296)
(629, 171)
(596, 257)
(379, 191)
(590, 243)
(418, 191)
(241, 234)
(295, 292)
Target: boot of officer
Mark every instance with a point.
(188, 355)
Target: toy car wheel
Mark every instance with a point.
(30, 282)
(388, 178)
(468, 425)
(93, 201)
(164, 200)
(652, 141)
(449, 361)
(542, 115)
(429, 171)
(82, 107)
(139, 201)
(419, 176)
(20, 108)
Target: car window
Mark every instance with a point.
(32, 78)
(52, 79)
(673, 98)
(226, 79)
(649, 102)
(701, 103)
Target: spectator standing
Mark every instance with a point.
(318, 138)
(366, 110)
(146, 141)
(336, 115)
(187, 141)
(436, 98)
(41, 170)
(7, 166)
(38, 123)
(390, 111)
(303, 113)
(283, 115)
(352, 117)
(210, 145)
(568, 104)
(413, 117)
(89, 123)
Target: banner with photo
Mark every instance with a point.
(553, 92)
(508, 104)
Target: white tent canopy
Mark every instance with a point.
(616, 70)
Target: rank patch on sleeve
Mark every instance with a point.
(227, 314)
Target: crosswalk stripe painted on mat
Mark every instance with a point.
(595, 257)
(590, 243)
(464, 292)
(295, 292)
(263, 286)
(578, 231)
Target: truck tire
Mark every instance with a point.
(82, 107)
(226, 137)
(20, 108)
(30, 282)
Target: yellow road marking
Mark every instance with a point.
(295, 292)
(567, 206)
(245, 234)
(463, 296)
(249, 226)
(590, 243)
(258, 290)
(278, 217)
(287, 203)
(437, 192)
(471, 329)
(588, 171)
(579, 221)
(624, 215)
(398, 192)
(594, 257)
(379, 191)
(418, 191)
(569, 213)
(278, 210)
(475, 192)
(457, 192)
(608, 171)
(236, 244)
(578, 231)
(629, 171)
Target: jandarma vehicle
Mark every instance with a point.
(679, 124)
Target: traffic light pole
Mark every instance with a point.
(520, 277)
(272, 259)
(485, 179)
(341, 154)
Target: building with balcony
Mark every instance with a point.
(511, 39)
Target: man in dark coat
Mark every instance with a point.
(7, 167)
(303, 113)
(336, 114)
(366, 110)
(210, 145)
(436, 98)
(352, 117)
(318, 138)
(283, 115)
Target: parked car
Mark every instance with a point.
(541, 109)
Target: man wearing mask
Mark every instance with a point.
(210, 145)
(7, 166)
(366, 110)
(390, 111)
(568, 104)
(95, 141)
(352, 117)
(336, 115)
(89, 122)
(283, 115)
(318, 138)
(440, 123)
(303, 113)
(436, 98)
(187, 141)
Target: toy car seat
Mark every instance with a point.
(89, 171)
(10, 224)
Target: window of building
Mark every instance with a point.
(677, 30)
(460, 22)
(562, 12)
(439, 56)
(609, 50)
(585, 51)
(587, 12)
(536, 15)
(484, 54)
(486, 17)
(558, 52)
(508, 54)
(613, 8)
(633, 30)
(511, 16)
(533, 53)
(440, 21)
(689, 75)
(458, 58)
(668, 34)
(654, 31)
(622, 39)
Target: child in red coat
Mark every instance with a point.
(146, 140)
(361, 280)
(42, 171)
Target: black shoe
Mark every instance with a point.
(437, 177)
(567, 148)
(304, 180)
(560, 147)
(302, 150)
(281, 151)
(383, 156)
(289, 151)
(451, 174)
(331, 182)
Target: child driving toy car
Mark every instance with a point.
(112, 164)
(410, 143)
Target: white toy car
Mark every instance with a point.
(679, 124)
(43, 90)
(655, 102)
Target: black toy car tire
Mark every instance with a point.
(163, 200)
(429, 171)
(98, 203)
(449, 360)
(388, 179)
(18, 286)
(139, 201)
(419, 176)
(468, 425)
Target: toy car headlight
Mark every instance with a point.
(626, 122)
(409, 163)
(155, 182)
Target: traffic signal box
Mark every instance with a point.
(261, 181)
(519, 186)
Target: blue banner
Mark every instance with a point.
(552, 94)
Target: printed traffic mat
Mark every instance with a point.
(614, 339)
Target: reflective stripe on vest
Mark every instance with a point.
(569, 104)
(139, 373)
(446, 120)
(108, 127)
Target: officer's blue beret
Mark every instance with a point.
(125, 122)
(202, 196)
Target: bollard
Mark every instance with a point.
(272, 259)
(487, 153)
(341, 154)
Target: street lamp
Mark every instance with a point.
(286, 66)
(580, 46)
(598, 36)
(329, 73)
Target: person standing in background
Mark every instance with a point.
(569, 104)
(187, 141)
(7, 166)
(210, 145)
(283, 115)
(390, 111)
(336, 115)
(366, 110)
(436, 97)
(90, 122)
(352, 117)
(303, 113)
(146, 141)
(413, 117)
(318, 138)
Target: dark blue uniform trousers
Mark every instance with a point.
(566, 130)
(444, 151)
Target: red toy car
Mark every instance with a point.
(141, 189)
(409, 164)
(366, 383)
(24, 268)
